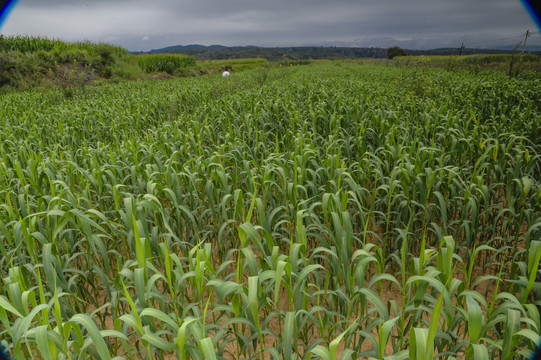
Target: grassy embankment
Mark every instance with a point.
(41, 63)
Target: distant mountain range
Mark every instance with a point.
(202, 52)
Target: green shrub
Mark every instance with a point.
(72, 56)
(395, 51)
(19, 71)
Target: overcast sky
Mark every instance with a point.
(145, 25)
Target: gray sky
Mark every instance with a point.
(145, 25)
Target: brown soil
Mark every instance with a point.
(389, 293)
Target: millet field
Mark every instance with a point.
(328, 211)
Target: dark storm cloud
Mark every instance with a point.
(145, 25)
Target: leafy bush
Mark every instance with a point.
(395, 51)
(19, 71)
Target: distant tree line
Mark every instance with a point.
(309, 52)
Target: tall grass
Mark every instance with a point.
(476, 59)
(329, 212)
(528, 65)
(32, 44)
(35, 62)
(164, 62)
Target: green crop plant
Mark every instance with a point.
(329, 212)
(164, 62)
(33, 44)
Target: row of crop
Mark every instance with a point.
(165, 296)
(498, 180)
(59, 237)
(164, 62)
(190, 218)
(429, 183)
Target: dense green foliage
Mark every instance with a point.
(33, 62)
(395, 51)
(164, 62)
(32, 44)
(327, 211)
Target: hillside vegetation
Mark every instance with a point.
(327, 211)
(33, 62)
